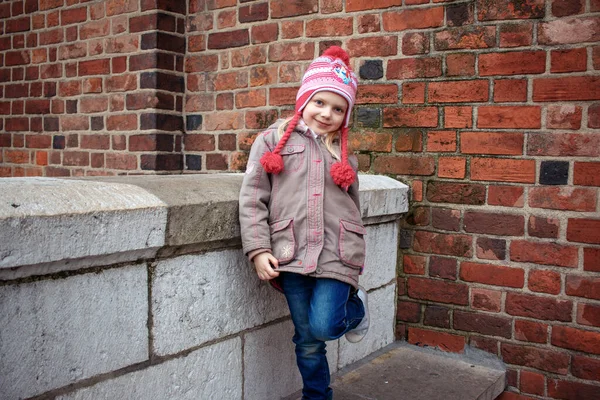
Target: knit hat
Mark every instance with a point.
(330, 72)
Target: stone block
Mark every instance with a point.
(382, 254)
(58, 332)
(45, 220)
(270, 370)
(381, 331)
(198, 298)
(213, 372)
(382, 196)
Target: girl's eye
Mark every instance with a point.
(318, 102)
(339, 110)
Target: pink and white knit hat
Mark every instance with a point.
(329, 72)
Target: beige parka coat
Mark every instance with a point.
(311, 225)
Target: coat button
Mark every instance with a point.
(290, 149)
(319, 270)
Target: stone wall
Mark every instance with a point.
(136, 287)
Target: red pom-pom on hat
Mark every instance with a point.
(338, 52)
(342, 174)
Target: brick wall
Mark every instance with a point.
(490, 110)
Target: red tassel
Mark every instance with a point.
(338, 52)
(343, 175)
(272, 163)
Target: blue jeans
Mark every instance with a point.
(322, 309)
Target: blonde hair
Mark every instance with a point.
(327, 139)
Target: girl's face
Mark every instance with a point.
(325, 112)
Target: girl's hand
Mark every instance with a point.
(265, 264)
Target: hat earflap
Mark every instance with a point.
(272, 161)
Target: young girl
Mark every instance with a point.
(300, 217)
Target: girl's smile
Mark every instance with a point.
(325, 112)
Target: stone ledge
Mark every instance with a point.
(138, 216)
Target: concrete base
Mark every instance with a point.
(403, 371)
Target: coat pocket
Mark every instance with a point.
(293, 157)
(352, 244)
(283, 242)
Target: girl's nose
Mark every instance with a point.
(326, 112)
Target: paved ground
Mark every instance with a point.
(402, 371)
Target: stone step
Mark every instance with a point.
(403, 371)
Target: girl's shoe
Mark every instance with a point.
(357, 334)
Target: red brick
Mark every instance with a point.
(591, 259)
(414, 265)
(419, 216)
(459, 91)
(585, 368)
(378, 46)
(441, 141)
(512, 63)
(586, 173)
(544, 253)
(441, 267)
(510, 9)
(489, 274)
(563, 144)
(535, 357)
(98, 142)
(583, 230)
(417, 190)
(74, 123)
(116, 7)
(94, 29)
(507, 196)
(414, 43)
(201, 63)
(413, 93)
(426, 117)
(410, 140)
(504, 170)
(576, 339)
(516, 35)
(69, 88)
(292, 29)
(409, 68)
(373, 94)
(410, 165)
(251, 98)
(452, 167)
(490, 249)
(537, 307)
(408, 311)
(488, 345)
(460, 64)
(532, 383)
(126, 122)
(121, 161)
(291, 51)
(461, 193)
(283, 8)
(564, 117)
(94, 67)
(563, 198)
(370, 141)
(37, 106)
(93, 104)
(588, 314)
(508, 143)
(520, 117)
(583, 287)
(361, 5)
(571, 30)
(594, 115)
(442, 340)
(76, 158)
(543, 227)
(494, 223)
(530, 331)
(329, 27)
(563, 8)
(458, 117)
(510, 90)
(544, 281)
(260, 119)
(16, 156)
(466, 37)
(200, 142)
(572, 60)
(447, 244)
(282, 96)
(38, 141)
(419, 18)
(224, 121)
(577, 88)
(561, 389)
(485, 299)
(482, 323)
(73, 15)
